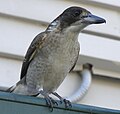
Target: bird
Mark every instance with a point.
(53, 54)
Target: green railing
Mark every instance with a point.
(19, 104)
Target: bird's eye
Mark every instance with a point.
(77, 13)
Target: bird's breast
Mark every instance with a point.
(62, 51)
(53, 62)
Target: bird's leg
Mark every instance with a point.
(66, 102)
(49, 101)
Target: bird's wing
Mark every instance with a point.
(77, 52)
(37, 42)
(74, 64)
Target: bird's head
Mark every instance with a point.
(75, 19)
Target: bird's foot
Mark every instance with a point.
(49, 101)
(62, 100)
(54, 102)
(67, 103)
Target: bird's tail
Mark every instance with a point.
(11, 89)
(7, 89)
(14, 87)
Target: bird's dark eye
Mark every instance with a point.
(77, 13)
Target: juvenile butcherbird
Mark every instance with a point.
(53, 54)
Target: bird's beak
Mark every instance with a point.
(92, 19)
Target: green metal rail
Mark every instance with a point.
(18, 104)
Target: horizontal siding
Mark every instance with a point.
(9, 71)
(17, 33)
(113, 3)
(18, 40)
(18, 8)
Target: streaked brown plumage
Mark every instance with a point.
(53, 54)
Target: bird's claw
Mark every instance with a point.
(50, 103)
(54, 102)
(67, 103)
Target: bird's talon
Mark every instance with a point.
(54, 102)
(67, 103)
(50, 107)
(61, 101)
(49, 103)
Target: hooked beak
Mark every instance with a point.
(92, 19)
